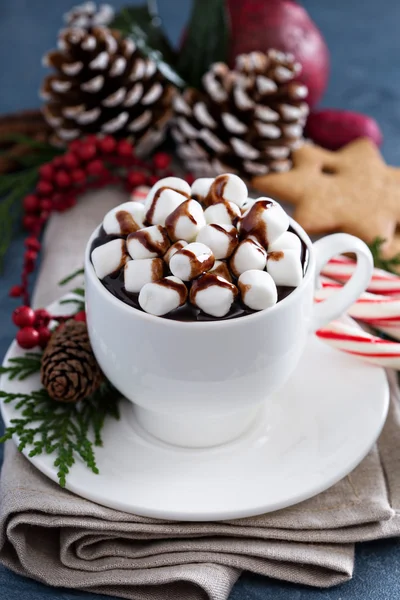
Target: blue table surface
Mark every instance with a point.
(364, 43)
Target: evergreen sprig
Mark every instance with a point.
(387, 264)
(66, 430)
(22, 367)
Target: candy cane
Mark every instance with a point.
(139, 194)
(355, 341)
(341, 268)
(375, 309)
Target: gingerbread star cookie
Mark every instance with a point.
(351, 190)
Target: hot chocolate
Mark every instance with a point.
(197, 254)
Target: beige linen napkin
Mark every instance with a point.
(53, 536)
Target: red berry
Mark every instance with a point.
(46, 171)
(27, 338)
(91, 139)
(75, 146)
(23, 316)
(161, 161)
(31, 203)
(31, 223)
(87, 151)
(71, 161)
(32, 244)
(42, 317)
(95, 167)
(80, 316)
(29, 267)
(107, 144)
(78, 175)
(30, 255)
(44, 215)
(44, 188)
(16, 291)
(69, 202)
(135, 178)
(124, 148)
(44, 336)
(151, 180)
(190, 178)
(46, 204)
(58, 161)
(62, 179)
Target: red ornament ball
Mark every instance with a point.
(161, 161)
(23, 316)
(28, 338)
(44, 336)
(42, 318)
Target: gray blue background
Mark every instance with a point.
(363, 37)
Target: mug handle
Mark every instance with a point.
(325, 249)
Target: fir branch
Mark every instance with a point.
(71, 276)
(65, 430)
(387, 264)
(21, 367)
(79, 304)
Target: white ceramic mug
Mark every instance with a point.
(199, 384)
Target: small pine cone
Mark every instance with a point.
(246, 120)
(88, 15)
(69, 369)
(103, 84)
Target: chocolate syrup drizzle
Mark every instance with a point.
(114, 283)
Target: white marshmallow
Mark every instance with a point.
(265, 221)
(285, 267)
(163, 204)
(248, 203)
(201, 187)
(173, 249)
(149, 242)
(192, 261)
(221, 268)
(139, 272)
(185, 222)
(258, 289)
(247, 256)
(221, 239)
(214, 295)
(286, 241)
(223, 213)
(124, 219)
(160, 297)
(174, 183)
(109, 257)
(227, 187)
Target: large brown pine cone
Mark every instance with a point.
(104, 84)
(69, 369)
(247, 120)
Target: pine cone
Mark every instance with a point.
(88, 15)
(69, 369)
(104, 84)
(247, 120)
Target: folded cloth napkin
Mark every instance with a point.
(51, 535)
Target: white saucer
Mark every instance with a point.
(320, 426)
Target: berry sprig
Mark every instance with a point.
(89, 163)
(34, 327)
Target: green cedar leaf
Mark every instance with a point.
(207, 40)
(387, 264)
(143, 25)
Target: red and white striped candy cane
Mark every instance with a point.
(341, 268)
(375, 309)
(139, 194)
(357, 342)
